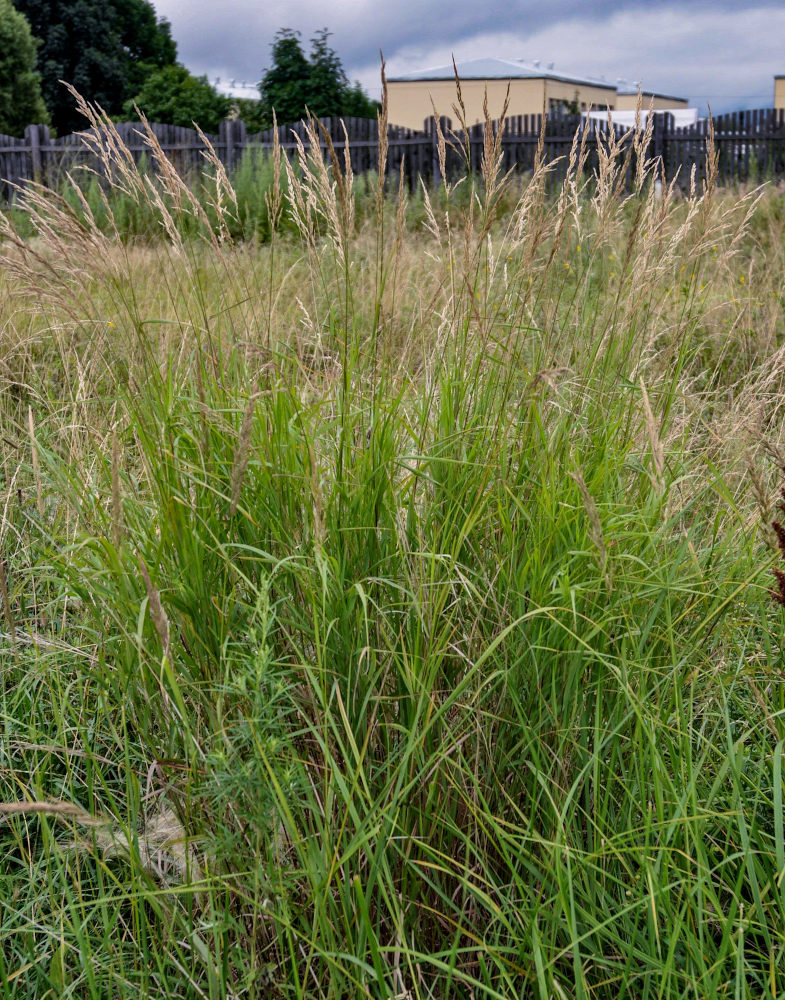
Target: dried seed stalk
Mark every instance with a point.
(157, 613)
(595, 526)
(39, 493)
(243, 453)
(657, 456)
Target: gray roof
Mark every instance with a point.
(500, 69)
(627, 89)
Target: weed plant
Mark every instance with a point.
(386, 612)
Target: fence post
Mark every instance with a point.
(657, 144)
(240, 140)
(430, 126)
(226, 133)
(33, 139)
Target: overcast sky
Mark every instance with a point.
(710, 51)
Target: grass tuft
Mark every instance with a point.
(386, 584)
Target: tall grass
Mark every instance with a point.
(387, 612)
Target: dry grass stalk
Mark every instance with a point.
(594, 527)
(39, 490)
(459, 109)
(273, 198)
(441, 148)
(243, 452)
(342, 207)
(104, 142)
(653, 432)
(157, 613)
(712, 161)
(163, 849)
(382, 125)
(302, 196)
(61, 810)
(493, 155)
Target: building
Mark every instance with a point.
(627, 98)
(532, 87)
(779, 92)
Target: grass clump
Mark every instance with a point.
(387, 612)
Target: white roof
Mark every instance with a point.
(500, 69)
(626, 119)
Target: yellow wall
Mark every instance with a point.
(585, 95)
(779, 91)
(629, 102)
(409, 101)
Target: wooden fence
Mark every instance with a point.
(750, 147)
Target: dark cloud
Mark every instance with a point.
(721, 52)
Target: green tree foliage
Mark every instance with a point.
(20, 86)
(177, 97)
(251, 111)
(295, 84)
(105, 48)
(327, 81)
(284, 86)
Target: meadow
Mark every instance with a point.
(385, 594)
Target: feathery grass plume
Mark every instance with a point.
(441, 149)
(223, 198)
(493, 154)
(641, 140)
(459, 109)
(167, 183)
(594, 526)
(69, 251)
(162, 848)
(243, 452)
(60, 810)
(273, 196)
(655, 444)
(566, 197)
(712, 161)
(302, 198)
(157, 613)
(382, 126)
(614, 153)
(343, 183)
(530, 219)
(103, 140)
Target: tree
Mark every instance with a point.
(251, 111)
(104, 48)
(294, 84)
(177, 97)
(327, 80)
(20, 86)
(284, 86)
(357, 104)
